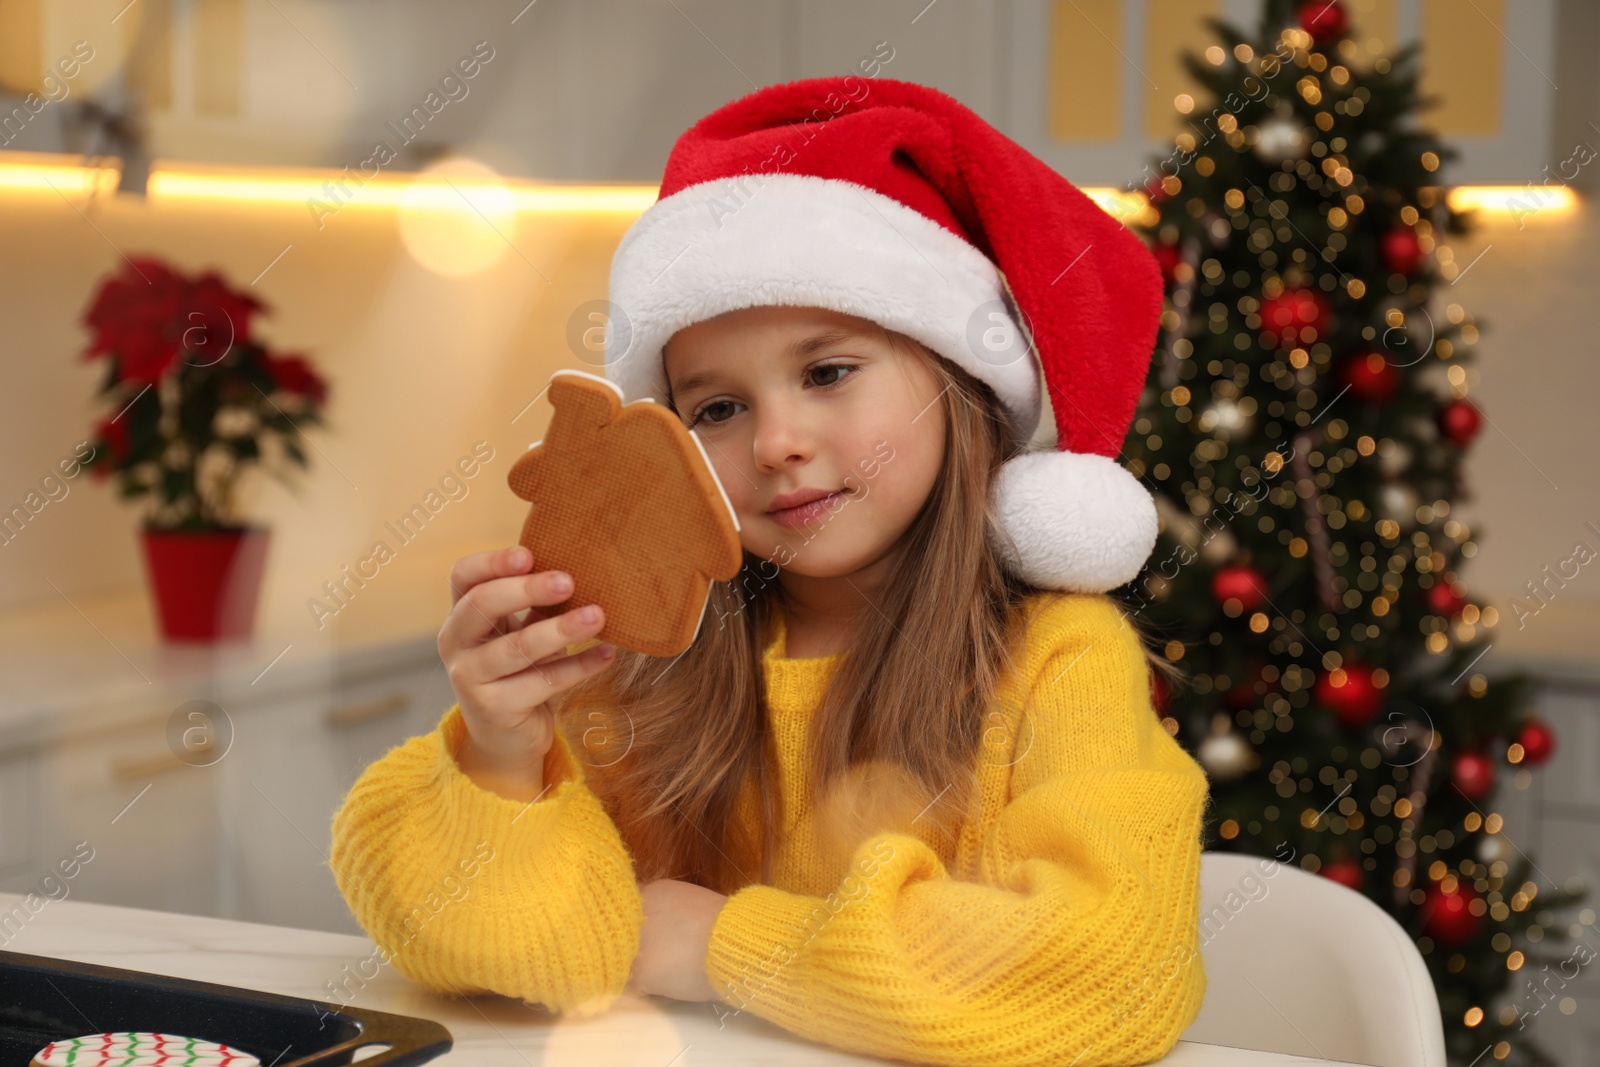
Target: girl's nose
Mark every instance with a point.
(781, 438)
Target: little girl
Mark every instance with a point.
(905, 794)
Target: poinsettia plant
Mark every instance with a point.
(193, 395)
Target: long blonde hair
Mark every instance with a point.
(909, 694)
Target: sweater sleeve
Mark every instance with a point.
(467, 891)
(1077, 942)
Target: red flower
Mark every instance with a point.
(215, 318)
(114, 435)
(150, 314)
(293, 374)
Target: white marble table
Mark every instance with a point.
(488, 1031)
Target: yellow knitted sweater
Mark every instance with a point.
(1059, 925)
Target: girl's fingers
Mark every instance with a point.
(479, 567)
(537, 683)
(529, 647)
(477, 615)
(552, 657)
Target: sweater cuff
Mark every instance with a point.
(470, 805)
(554, 916)
(757, 935)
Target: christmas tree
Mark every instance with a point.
(1303, 429)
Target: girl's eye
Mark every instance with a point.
(703, 413)
(825, 367)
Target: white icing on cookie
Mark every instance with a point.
(129, 1049)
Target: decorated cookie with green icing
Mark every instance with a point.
(129, 1049)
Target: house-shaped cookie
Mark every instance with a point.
(626, 501)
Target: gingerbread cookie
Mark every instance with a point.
(625, 500)
(131, 1049)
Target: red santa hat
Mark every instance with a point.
(896, 203)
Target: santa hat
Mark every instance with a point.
(896, 203)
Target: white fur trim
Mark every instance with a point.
(1076, 521)
(814, 242)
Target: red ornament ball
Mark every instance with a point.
(1371, 378)
(1291, 313)
(1160, 692)
(1352, 692)
(1538, 742)
(1445, 598)
(1240, 697)
(1250, 691)
(1240, 582)
(1448, 918)
(1401, 250)
(1473, 774)
(1460, 421)
(1168, 256)
(1324, 20)
(1346, 872)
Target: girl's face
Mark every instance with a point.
(803, 401)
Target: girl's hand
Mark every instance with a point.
(504, 666)
(678, 917)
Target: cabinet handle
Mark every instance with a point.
(135, 768)
(367, 710)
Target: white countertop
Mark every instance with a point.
(488, 1031)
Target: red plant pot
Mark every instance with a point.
(206, 582)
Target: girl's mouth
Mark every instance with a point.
(802, 514)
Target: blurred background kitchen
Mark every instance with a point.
(408, 212)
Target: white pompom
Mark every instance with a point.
(1077, 522)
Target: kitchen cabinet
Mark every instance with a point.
(204, 779)
(239, 831)
(1553, 817)
(276, 826)
(598, 92)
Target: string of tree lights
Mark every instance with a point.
(1304, 427)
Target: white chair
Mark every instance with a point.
(1301, 965)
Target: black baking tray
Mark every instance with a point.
(44, 999)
